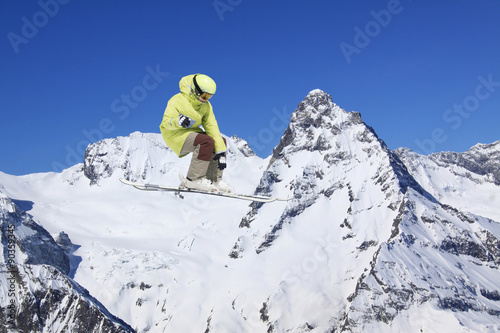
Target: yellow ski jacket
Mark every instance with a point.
(200, 113)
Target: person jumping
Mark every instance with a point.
(180, 129)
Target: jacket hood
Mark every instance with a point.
(186, 86)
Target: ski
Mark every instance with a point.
(155, 187)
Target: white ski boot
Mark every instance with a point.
(202, 184)
(223, 186)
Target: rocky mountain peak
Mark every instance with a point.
(324, 152)
(242, 146)
(315, 120)
(318, 97)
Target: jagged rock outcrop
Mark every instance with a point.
(242, 146)
(482, 159)
(33, 241)
(64, 242)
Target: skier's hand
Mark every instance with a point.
(221, 158)
(184, 121)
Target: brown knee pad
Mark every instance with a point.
(206, 144)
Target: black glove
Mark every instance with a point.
(221, 158)
(184, 121)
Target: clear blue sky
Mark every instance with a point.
(424, 74)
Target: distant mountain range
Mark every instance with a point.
(374, 240)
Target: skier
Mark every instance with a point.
(180, 130)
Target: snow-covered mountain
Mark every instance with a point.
(373, 240)
(36, 293)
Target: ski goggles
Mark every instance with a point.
(204, 97)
